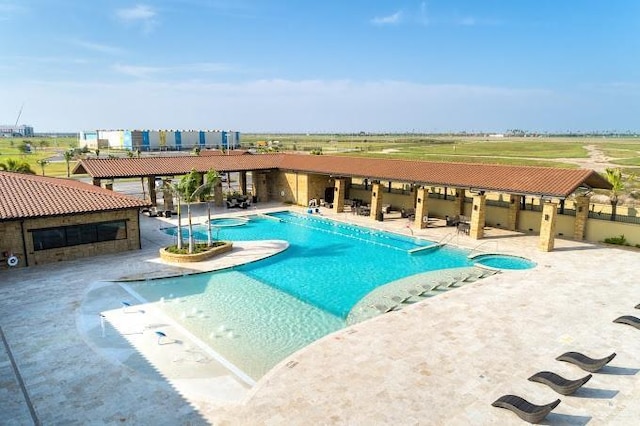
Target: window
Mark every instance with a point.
(65, 236)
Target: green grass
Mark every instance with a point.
(42, 148)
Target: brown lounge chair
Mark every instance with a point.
(629, 320)
(524, 409)
(588, 364)
(558, 383)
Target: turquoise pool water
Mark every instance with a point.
(257, 314)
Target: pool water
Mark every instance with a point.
(256, 314)
(502, 261)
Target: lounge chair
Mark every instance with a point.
(384, 309)
(399, 299)
(629, 320)
(586, 363)
(524, 409)
(558, 383)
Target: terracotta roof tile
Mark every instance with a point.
(509, 179)
(30, 196)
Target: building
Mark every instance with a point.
(160, 140)
(23, 130)
(45, 220)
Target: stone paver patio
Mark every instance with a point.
(440, 361)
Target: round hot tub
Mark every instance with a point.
(224, 222)
(503, 261)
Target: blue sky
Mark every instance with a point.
(321, 66)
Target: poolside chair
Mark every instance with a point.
(558, 383)
(399, 299)
(586, 363)
(524, 409)
(383, 309)
(629, 320)
(160, 335)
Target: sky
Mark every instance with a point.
(330, 66)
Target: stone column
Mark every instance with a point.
(339, 190)
(548, 226)
(376, 199)
(514, 212)
(260, 186)
(582, 216)
(459, 202)
(414, 196)
(478, 212)
(151, 186)
(217, 195)
(421, 220)
(242, 181)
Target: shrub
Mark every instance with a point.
(621, 240)
(197, 248)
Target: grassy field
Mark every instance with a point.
(41, 148)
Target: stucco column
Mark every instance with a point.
(548, 226)
(217, 195)
(459, 201)
(582, 215)
(514, 212)
(414, 196)
(151, 186)
(242, 181)
(376, 199)
(478, 212)
(167, 195)
(339, 189)
(422, 211)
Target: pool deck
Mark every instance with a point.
(441, 361)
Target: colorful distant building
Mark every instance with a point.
(7, 130)
(160, 140)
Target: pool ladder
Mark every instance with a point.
(473, 253)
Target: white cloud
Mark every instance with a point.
(140, 14)
(97, 47)
(388, 20)
(141, 71)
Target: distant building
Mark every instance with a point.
(160, 140)
(7, 130)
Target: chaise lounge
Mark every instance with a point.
(586, 363)
(558, 383)
(527, 411)
(629, 320)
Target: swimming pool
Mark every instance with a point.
(254, 315)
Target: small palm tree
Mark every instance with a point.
(205, 190)
(68, 156)
(12, 165)
(187, 189)
(43, 162)
(614, 176)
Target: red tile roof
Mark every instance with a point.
(31, 196)
(524, 180)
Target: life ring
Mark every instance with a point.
(425, 219)
(12, 261)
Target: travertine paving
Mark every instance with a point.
(441, 361)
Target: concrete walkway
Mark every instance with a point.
(440, 361)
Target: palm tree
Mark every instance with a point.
(211, 180)
(68, 156)
(12, 165)
(187, 190)
(43, 162)
(614, 176)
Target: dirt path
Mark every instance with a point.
(596, 161)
